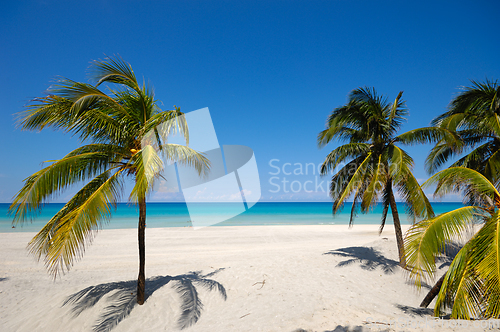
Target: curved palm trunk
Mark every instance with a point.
(432, 293)
(397, 228)
(141, 280)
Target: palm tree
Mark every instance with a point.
(475, 117)
(125, 131)
(375, 164)
(471, 286)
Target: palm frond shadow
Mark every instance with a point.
(342, 328)
(369, 258)
(422, 283)
(121, 297)
(415, 311)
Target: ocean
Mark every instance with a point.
(263, 213)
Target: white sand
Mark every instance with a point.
(277, 278)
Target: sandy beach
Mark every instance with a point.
(271, 278)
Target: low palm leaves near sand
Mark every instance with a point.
(475, 116)
(115, 126)
(373, 163)
(471, 287)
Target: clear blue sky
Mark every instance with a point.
(269, 71)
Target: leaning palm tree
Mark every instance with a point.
(373, 163)
(471, 286)
(474, 115)
(125, 131)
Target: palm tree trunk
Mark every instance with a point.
(432, 293)
(141, 280)
(397, 228)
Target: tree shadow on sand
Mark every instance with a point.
(343, 328)
(369, 258)
(122, 298)
(415, 311)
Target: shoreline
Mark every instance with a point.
(366, 227)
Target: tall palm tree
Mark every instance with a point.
(471, 286)
(123, 132)
(373, 162)
(475, 117)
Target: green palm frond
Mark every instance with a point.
(400, 163)
(148, 165)
(427, 239)
(79, 165)
(113, 70)
(78, 108)
(429, 135)
(418, 205)
(439, 155)
(474, 186)
(339, 132)
(355, 181)
(168, 123)
(187, 157)
(461, 290)
(478, 158)
(86, 97)
(343, 153)
(486, 258)
(341, 179)
(372, 191)
(65, 236)
(474, 115)
(49, 111)
(492, 166)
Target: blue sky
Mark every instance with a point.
(269, 71)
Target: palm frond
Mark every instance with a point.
(417, 203)
(372, 191)
(113, 70)
(439, 155)
(474, 186)
(187, 157)
(65, 236)
(427, 239)
(340, 154)
(79, 165)
(429, 135)
(461, 289)
(485, 256)
(354, 182)
(340, 180)
(50, 111)
(168, 123)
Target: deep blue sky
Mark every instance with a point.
(269, 71)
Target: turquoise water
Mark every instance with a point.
(264, 213)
